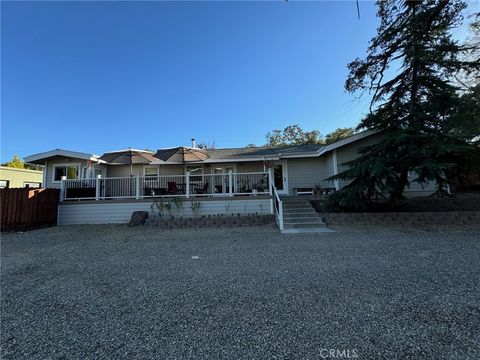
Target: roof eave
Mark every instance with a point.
(40, 158)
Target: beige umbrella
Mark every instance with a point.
(181, 155)
(128, 157)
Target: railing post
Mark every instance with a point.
(97, 187)
(270, 181)
(280, 214)
(230, 183)
(62, 187)
(187, 191)
(137, 187)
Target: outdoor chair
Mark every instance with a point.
(171, 187)
(204, 189)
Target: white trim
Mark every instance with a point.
(151, 166)
(347, 141)
(59, 152)
(196, 165)
(285, 189)
(335, 169)
(224, 166)
(225, 160)
(44, 175)
(302, 155)
(78, 165)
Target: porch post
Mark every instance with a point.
(62, 187)
(137, 187)
(230, 183)
(270, 180)
(97, 187)
(270, 187)
(335, 169)
(187, 191)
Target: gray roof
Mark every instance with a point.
(235, 153)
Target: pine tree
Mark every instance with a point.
(408, 70)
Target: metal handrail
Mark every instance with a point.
(278, 206)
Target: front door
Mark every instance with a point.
(280, 177)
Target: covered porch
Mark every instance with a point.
(189, 185)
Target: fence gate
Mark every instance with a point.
(25, 209)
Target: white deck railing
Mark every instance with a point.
(277, 206)
(139, 187)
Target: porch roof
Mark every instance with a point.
(40, 158)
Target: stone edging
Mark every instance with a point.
(209, 221)
(403, 218)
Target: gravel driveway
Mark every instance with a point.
(112, 292)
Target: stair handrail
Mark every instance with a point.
(278, 206)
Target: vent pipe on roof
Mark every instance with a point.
(194, 144)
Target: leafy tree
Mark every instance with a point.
(206, 146)
(16, 162)
(339, 134)
(414, 107)
(293, 135)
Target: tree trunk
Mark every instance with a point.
(397, 194)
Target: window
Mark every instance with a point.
(70, 171)
(32, 185)
(150, 171)
(195, 172)
(4, 184)
(98, 172)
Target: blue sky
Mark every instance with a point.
(99, 76)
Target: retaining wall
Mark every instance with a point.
(404, 218)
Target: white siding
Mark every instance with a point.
(306, 172)
(120, 212)
(172, 170)
(124, 170)
(254, 166)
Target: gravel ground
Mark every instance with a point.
(112, 292)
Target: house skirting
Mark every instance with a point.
(117, 212)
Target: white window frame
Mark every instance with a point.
(196, 166)
(78, 165)
(25, 183)
(151, 166)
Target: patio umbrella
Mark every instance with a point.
(181, 155)
(128, 157)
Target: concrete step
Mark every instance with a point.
(304, 225)
(302, 220)
(307, 230)
(296, 201)
(298, 210)
(296, 206)
(295, 215)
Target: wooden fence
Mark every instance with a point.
(25, 209)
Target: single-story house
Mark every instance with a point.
(11, 177)
(108, 188)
